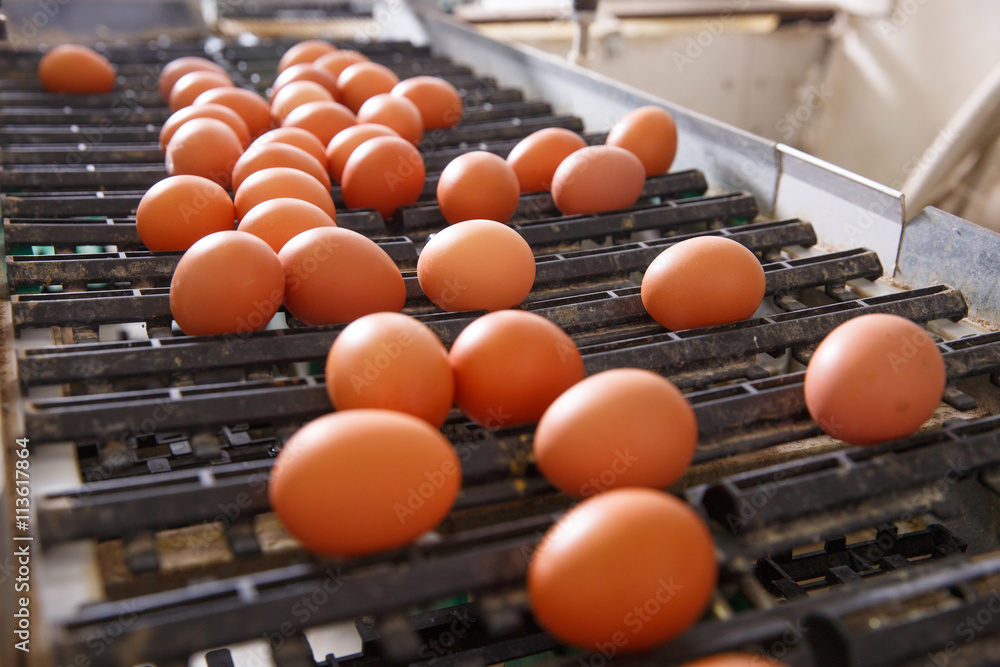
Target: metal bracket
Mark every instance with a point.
(938, 247)
(847, 210)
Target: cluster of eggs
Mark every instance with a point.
(333, 117)
(378, 473)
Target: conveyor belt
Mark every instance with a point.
(171, 432)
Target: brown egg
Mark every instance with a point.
(282, 182)
(294, 136)
(75, 69)
(178, 67)
(338, 61)
(226, 282)
(874, 378)
(648, 132)
(536, 157)
(278, 221)
(190, 86)
(323, 119)
(383, 173)
(597, 179)
(510, 365)
(305, 52)
(342, 146)
(277, 154)
(305, 72)
(334, 275)
(478, 185)
(179, 210)
(390, 361)
(649, 564)
(476, 265)
(398, 113)
(294, 95)
(251, 107)
(623, 427)
(702, 282)
(361, 81)
(362, 481)
(204, 147)
(216, 111)
(438, 101)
